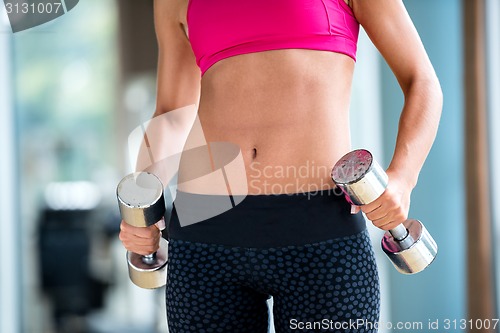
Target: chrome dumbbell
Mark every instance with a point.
(140, 198)
(409, 246)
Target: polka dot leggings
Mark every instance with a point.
(328, 286)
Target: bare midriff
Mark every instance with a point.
(288, 113)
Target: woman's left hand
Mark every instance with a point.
(392, 207)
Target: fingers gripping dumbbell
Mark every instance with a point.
(409, 246)
(140, 198)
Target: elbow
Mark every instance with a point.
(163, 108)
(159, 111)
(437, 94)
(428, 88)
(435, 86)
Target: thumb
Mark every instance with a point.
(160, 224)
(355, 209)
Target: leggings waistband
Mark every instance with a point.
(263, 221)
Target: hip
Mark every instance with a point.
(263, 221)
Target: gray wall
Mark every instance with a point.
(438, 200)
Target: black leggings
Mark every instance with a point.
(322, 275)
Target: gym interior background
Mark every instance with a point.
(73, 89)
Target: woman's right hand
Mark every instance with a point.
(142, 241)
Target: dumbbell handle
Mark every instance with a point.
(399, 232)
(149, 258)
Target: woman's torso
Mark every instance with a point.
(286, 110)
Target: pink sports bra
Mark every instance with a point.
(219, 29)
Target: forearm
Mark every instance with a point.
(418, 126)
(164, 140)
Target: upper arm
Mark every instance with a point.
(391, 30)
(178, 81)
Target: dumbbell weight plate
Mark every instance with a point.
(145, 275)
(360, 177)
(413, 256)
(140, 198)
